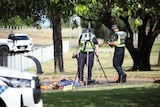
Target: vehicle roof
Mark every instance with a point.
(18, 34)
(7, 72)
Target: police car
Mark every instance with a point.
(19, 89)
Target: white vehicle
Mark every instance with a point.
(21, 42)
(6, 46)
(19, 89)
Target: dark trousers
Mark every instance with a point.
(118, 60)
(82, 61)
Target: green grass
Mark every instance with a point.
(156, 48)
(120, 96)
(144, 95)
(70, 67)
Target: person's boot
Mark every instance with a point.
(118, 80)
(123, 78)
(90, 81)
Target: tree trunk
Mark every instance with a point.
(141, 54)
(144, 54)
(57, 41)
(133, 52)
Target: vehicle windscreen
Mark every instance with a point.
(21, 38)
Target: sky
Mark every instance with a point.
(46, 23)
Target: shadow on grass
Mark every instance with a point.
(144, 96)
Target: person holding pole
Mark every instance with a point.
(119, 44)
(87, 47)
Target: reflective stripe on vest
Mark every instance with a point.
(121, 39)
(86, 43)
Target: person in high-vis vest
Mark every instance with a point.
(87, 45)
(119, 44)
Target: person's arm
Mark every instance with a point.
(114, 43)
(77, 47)
(97, 50)
(95, 41)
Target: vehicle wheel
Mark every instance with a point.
(4, 50)
(2, 104)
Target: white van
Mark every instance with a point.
(19, 89)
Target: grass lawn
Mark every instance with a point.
(145, 95)
(70, 66)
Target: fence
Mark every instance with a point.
(43, 31)
(48, 31)
(20, 61)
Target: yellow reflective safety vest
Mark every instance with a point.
(86, 42)
(121, 38)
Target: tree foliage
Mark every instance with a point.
(21, 13)
(18, 21)
(142, 16)
(12, 11)
(16, 11)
